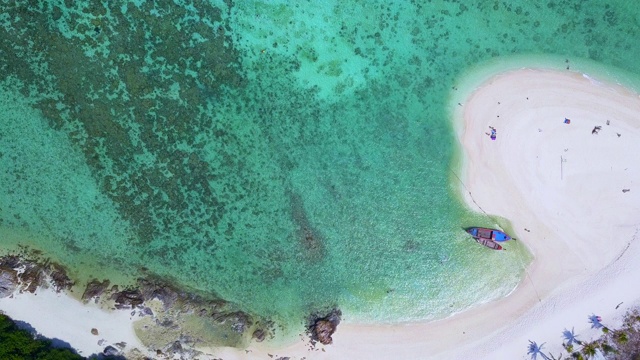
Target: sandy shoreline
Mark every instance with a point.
(560, 182)
(565, 186)
(57, 315)
(581, 226)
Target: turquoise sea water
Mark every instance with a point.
(288, 156)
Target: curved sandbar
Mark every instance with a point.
(561, 183)
(573, 189)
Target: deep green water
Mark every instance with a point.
(286, 156)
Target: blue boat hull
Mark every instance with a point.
(490, 234)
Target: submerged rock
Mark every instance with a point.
(323, 328)
(239, 320)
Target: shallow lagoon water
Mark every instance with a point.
(284, 155)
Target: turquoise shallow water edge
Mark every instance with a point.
(286, 156)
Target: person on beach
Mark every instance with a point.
(493, 133)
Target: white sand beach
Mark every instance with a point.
(572, 189)
(559, 184)
(59, 316)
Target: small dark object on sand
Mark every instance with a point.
(608, 122)
(617, 306)
(618, 134)
(595, 130)
(626, 190)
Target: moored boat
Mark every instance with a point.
(488, 234)
(488, 243)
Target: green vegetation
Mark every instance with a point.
(17, 344)
(614, 344)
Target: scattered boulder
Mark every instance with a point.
(321, 328)
(94, 331)
(94, 289)
(8, 281)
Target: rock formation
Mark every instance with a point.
(322, 328)
(259, 335)
(128, 299)
(8, 281)
(164, 324)
(31, 274)
(94, 289)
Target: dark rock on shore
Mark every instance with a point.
(156, 289)
(110, 351)
(8, 281)
(11, 261)
(35, 273)
(322, 328)
(94, 289)
(239, 320)
(58, 276)
(259, 335)
(128, 299)
(31, 277)
(232, 326)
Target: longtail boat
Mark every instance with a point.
(489, 243)
(488, 234)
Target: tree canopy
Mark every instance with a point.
(17, 344)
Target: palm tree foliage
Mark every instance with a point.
(571, 337)
(589, 349)
(595, 321)
(535, 350)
